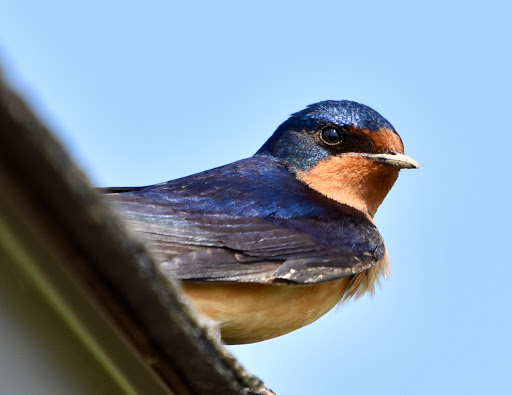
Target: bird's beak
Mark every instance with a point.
(392, 159)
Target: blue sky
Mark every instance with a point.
(142, 93)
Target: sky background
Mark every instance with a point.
(141, 93)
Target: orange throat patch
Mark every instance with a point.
(352, 180)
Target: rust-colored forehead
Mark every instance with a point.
(384, 139)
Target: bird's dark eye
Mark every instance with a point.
(330, 136)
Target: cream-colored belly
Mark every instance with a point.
(248, 312)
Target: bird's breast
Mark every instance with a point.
(248, 312)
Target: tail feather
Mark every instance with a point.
(118, 189)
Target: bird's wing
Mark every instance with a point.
(223, 236)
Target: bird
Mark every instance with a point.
(268, 244)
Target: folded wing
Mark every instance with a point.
(250, 221)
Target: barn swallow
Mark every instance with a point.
(268, 244)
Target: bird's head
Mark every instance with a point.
(342, 149)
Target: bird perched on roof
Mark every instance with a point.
(268, 244)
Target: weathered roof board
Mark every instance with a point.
(81, 300)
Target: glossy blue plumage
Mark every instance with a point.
(343, 113)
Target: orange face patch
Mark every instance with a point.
(384, 139)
